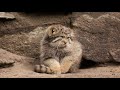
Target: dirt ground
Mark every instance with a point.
(26, 71)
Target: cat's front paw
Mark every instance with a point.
(44, 69)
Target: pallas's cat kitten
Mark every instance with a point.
(60, 52)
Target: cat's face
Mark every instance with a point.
(60, 36)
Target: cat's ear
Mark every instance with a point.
(51, 30)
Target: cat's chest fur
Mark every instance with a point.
(60, 54)
(56, 53)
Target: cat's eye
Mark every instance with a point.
(54, 30)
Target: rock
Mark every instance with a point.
(93, 14)
(9, 59)
(5, 62)
(99, 36)
(19, 24)
(26, 44)
(6, 15)
(115, 53)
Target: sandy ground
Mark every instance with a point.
(23, 68)
(26, 71)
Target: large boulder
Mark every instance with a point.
(26, 44)
(100, 36)
(6, 58)
(26, 22)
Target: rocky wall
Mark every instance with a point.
(99, 32)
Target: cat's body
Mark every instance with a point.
(60, 51)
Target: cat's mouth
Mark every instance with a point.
(57, 39)
(62, 44)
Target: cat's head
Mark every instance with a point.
(59, 36)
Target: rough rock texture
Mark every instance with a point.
(45, 18)
(27, 44)
(9, 59)
(9, 27)
(4, 59)
(95, 14)
(100, 36)
(26, 22)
